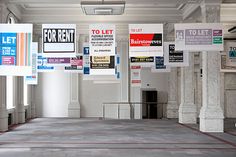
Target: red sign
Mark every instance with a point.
(145, 40)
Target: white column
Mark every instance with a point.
(187, 108)
(198, 90)
(15, 99)
(20, 98)
(172, 105)
(222, 91)
(29, 114)
(33, 102)
(211, 114)
(74, 105)
(3, 110)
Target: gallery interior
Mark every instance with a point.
(111, 78)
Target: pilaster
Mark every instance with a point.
(74, 105)
(172, 106)
(187, 108)
(3, 110)
(20, 98)
(211, 114)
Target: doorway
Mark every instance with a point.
(149, 104)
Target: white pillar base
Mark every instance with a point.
(33, 113)
(21, 116)
(187, 114)
(172, 109)
(74, 110)
(3, 120)
(211, 119)
(29, 114)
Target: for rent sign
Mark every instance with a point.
(59, 40)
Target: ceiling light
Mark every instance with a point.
(103, 11)
(103, 7)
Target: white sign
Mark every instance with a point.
(59, 40)
(173, 58)
(102, 39)
(199, 37)
(230, 53)
(223, 66)
(16, 49)
(33, 79)
(145, 40)
(100, 77)
(135, 76)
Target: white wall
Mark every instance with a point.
(155, 80)
(230, 95)
(52, 94)
(158, 81)
(93, 95)
(149, 80)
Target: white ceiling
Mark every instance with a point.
(136, 11)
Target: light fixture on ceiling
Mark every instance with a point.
(232, 30)
(103, 7)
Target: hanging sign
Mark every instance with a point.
(42, 64)
(102, 65)
(117, 69)
(76, 65)
(175, 58)
(65, 61)
(102, 39)
(59, 40)
(145, 40)
(102, 62)
(160, 66)
(143, 61)
(224, 67)
(86, 59)
(231, 54)
(16, 49)
(33, 79)
(108, 79)
(199, 37)
(135, 76)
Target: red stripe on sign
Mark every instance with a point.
(145, 40)
(136, 81)
(141, 39)
(136, 67)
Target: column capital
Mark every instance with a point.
(211, 2)
(210, 11)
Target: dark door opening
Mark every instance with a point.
(149, 100)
